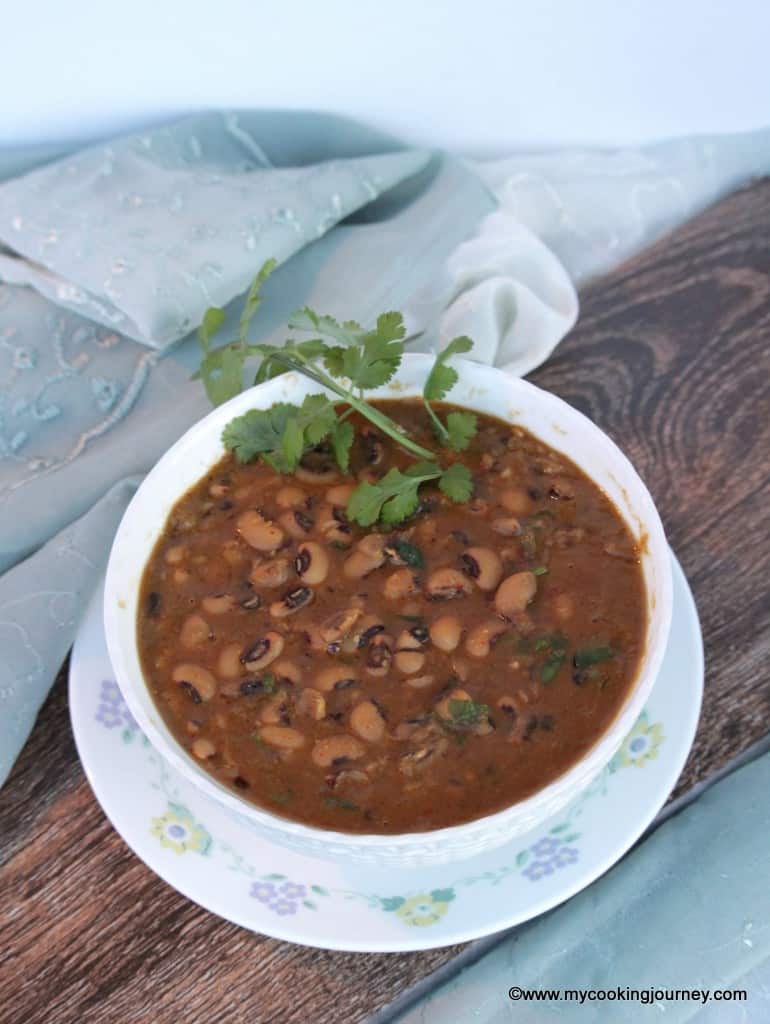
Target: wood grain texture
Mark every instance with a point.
(672, 358)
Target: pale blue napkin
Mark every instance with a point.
(689, 908)
(83, 406)
(143, 234)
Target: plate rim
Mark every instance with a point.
(414, 941)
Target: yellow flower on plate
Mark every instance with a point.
(641, 744)
(425, 909)
(177, 830)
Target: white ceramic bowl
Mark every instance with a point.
(480, 388)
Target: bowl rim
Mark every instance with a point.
(587, 766)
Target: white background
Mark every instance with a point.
(479, 76)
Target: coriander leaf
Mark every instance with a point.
(222, 373)
(401, 506)
(365, 504)
(394, 497)
(254, 298)
(407, 552)
(258, 431)
(592, 656)
(461, 428)
(213, 319)
(349, 332)
(390, 327)
(456, 482)
(550, 669)
(467, 712)
(334, 361)
(292, 444)
(342, 441)
(373, 362)
(442, 378)
(317, 417)
(341, 802)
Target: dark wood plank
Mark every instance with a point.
(672, 358)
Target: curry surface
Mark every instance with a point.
(390, 695)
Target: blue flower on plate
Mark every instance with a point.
(263, 891)
(293, 891)
(281, 895)
(545, 847)
(538, 869)
(112, 711)
(283, 907)
(548, 854)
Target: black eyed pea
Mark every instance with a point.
(274, 573)
(336, 750)
(445, 632)
(311, 563)
(400, 584)
(367, 722)
(369, 554)
(312, 704)
(483, 565)
(218, 604)
(412, 639)
(229, 662)
(290, 497)
(333, 525)
(409, 662)
(516, 501)
(379, 655)
(296, 523)
(447, 584)
(260, 533)
(274, 711)
(194, 632)
(335, 677)
(508, 706)
(287, 670)
(481, 638)
(420, 682)
(514, 593)
(292, 602)
(263, 651)
(282, 736)
(203, 748)
(320, 475)
(340, 495)
(196, 680)
(507, 526)
(336, 628)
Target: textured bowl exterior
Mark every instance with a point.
(480, 388)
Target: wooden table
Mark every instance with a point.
(672, 358)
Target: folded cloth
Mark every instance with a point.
(688, 909)
(126, 244)
(505, 289)
(594, 208)
(145, 233)
(40, 606)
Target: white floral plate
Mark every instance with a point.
(198, 848)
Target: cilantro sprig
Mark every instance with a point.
(460, 427)
(347, 360)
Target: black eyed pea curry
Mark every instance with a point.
(393, 679)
